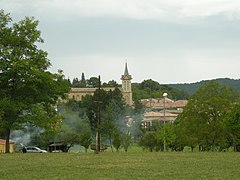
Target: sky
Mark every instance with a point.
(168, 41)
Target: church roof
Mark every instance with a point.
(126, 75)
(126, 70)
(88, 90)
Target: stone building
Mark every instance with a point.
(126, 89)
(160, 110)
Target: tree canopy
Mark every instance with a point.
(202, 121)
(152, 89)
(28, 91)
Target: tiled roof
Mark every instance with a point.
(89, 90)
(159, 103)
(3, 141)
(159, 114)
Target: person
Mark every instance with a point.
(24, 150)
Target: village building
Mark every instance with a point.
(161, 110)
(157, 109)
(3, 146)
(126, 89)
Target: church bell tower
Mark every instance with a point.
(126, 87)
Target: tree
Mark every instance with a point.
(137, 116)
(92, 82)
(75, 82)
(111, 83)
(152, 89)
(43, 139)
(108, 122)
(232, 123)
(67, 137)
(149, 140)
(152, 85)
(202, 121)
(116, 140)
(112, 110)
(126, 139)
(85, 139)
(170, 136)
(75, 128)
(28, 91)
(83, 81)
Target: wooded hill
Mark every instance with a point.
(191, 88)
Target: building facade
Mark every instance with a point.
(126, 89)
(160, 110)
(3, 145)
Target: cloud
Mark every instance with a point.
(171, 10)
(199, 39)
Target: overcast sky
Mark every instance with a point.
(169, 41)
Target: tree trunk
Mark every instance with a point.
(110, 141)
(7, 137)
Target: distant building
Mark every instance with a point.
(155, 110)
(3, 145)
(158, 103)
(126, 89)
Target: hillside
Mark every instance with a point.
(190, 88)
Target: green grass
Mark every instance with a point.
(131, 165)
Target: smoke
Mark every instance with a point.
(20, 137)
(23, 137)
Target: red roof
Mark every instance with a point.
(159, 103)
(3, 141)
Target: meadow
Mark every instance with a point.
(121, 165)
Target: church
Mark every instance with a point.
(126, 89)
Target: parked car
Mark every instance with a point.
(33, 149)
(58, 147)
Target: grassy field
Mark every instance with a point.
(131, 165)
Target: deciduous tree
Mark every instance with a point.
(202, 121)
(232, 123)
(27, 89)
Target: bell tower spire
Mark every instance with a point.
(126, 70)
(126, 86)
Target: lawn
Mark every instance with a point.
(131, 165)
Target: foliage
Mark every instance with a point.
(126, 139)
(111, 83)
(152, 89)
(79, 83)
(75, 128)
(116, 140)
(67, 137)
(27, 89)
(153, 138)
(170, 136)
(202, 121)
(232, 122)
(149, 140)
(136, 115)
(43, 139)
(85, 139)
(111, 109)
(92, 82)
